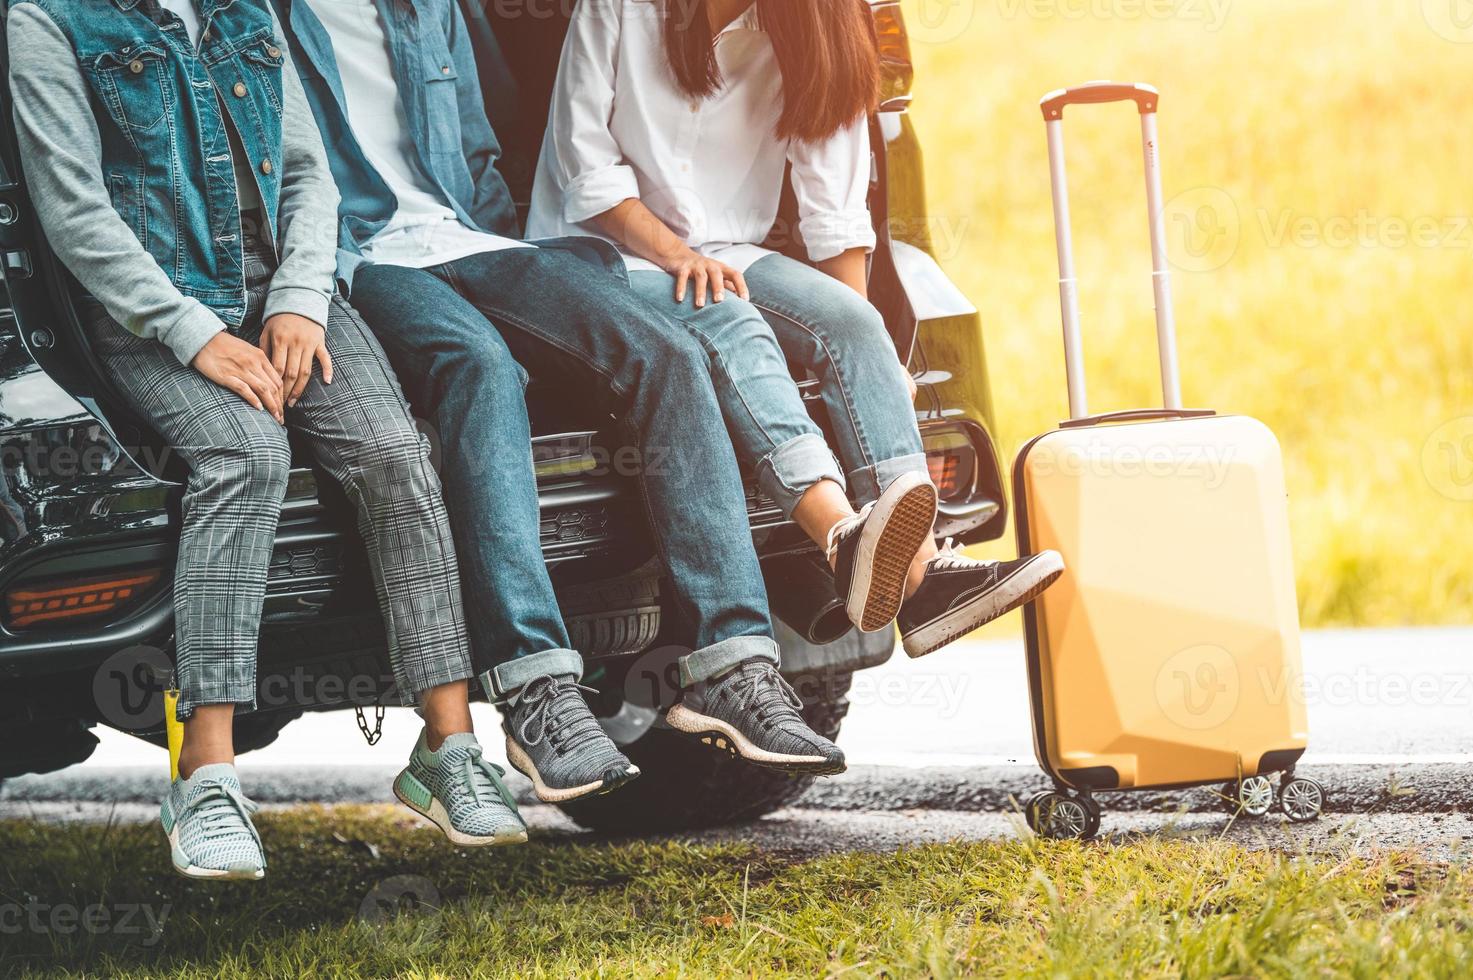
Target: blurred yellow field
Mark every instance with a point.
(1315, 158)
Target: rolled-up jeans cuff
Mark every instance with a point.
(869, 482)
(506, 679)
(786, 473)
(708, 662)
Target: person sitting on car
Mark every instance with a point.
(432, 250)
(671, 128)
(177, 172)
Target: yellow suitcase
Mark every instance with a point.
(1167, 655)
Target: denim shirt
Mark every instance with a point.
(435, 71)
(161, 127)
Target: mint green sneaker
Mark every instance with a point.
(208, 821)
(461, 793)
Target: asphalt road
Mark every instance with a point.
(940, 749)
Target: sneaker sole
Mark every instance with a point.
(720, 735)
(904, 516)
(523, 764)
(1026, 583)
(206, 874)
(435, 814)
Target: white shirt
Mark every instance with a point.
(620, 127)
(424, 231)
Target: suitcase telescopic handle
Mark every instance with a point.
(1146, 99)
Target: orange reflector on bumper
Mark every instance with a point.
(42, 602)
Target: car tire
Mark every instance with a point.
(684, 785)
(46, 746)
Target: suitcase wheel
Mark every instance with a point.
(1062, 816)
(1301, 799)
(1252, 795)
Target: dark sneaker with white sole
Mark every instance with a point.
(554, 740)
(753, 713)
(872, 551)
(959, 594)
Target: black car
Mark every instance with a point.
(89, 504)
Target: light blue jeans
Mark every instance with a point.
(800, 314)
(562, 318)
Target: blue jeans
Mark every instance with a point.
(800, 314)
(567, 319)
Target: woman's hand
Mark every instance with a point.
(293, 342)
(232, 363)
(707, 275)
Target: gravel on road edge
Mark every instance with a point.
(1358, 789)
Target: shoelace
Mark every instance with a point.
(484, 778)
(846, 527)
(222, 811)
(750, 686)
(948, 558)
(550, 718)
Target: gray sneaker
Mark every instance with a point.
(461, 793)
(208, 820)
(753, 713)
(554, 740)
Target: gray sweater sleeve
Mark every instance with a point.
(62, 155)
(61, 152)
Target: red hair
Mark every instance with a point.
(826, 52)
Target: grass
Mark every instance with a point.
(1320, 235)
(1149, 907)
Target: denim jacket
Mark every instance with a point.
(435, 71)
(156, 141)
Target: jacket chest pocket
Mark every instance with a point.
(441, 103)
(262, 61)
(132, 82)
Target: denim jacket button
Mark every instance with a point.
(273, 51)
(239, 90)
(135, 66)
(266, 166)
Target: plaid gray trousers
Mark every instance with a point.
(362, 433)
